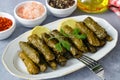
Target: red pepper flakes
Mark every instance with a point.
(5, 23)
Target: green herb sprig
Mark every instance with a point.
(76, 33)
(66, 44)
(63, 33)
(61, 44)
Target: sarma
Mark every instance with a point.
(95, 27)
(91, 48)
(52, 44)
(75, 52)
(78, 42)
(32, 53)
(30, 65)
(52, 64)
(91, 37)
(42, 47)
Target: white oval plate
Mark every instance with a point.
(17, 68)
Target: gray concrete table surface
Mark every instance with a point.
(111, 62)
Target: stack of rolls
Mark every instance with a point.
(56, 47)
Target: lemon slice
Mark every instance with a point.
(69, 21)
(39, 30)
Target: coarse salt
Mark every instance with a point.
(30, 10)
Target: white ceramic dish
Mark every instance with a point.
(17, 68)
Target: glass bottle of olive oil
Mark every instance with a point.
(93, 6)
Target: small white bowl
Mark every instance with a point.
(6, 33)
(30, 22)
(61, 12)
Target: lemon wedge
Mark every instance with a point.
(39, 30)
(68, 21)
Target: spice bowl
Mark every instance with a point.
(30, 13)
(7, 25)
(59, 9)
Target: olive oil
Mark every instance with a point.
(93, 6)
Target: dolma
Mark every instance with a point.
(61, 60)
(42, 65)
(52, 64)
(91, 48)
(91, 37)
(95, 27)
(109, 38)
(52, 44)
(30, 65)
(75, 52)
(42, 47)
(78, 42)
(32, 53)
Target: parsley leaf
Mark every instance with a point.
(63, 43)
(63, 33)
(82, 36)
(58, 47)
(66, 45)
(76, 31)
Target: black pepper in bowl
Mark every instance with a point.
(61, 4)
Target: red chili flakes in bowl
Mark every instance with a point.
(5, 23)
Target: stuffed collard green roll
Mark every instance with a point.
(78, 42)
(75, 52)
(91, 37)
(95, 27)
(52, 42)
(91, 48)
(52, 64)
(30, 65)
(42, 47)
(32, 53)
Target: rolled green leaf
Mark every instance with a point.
(91, 37)
(42, 47)
(95, 27)
(75, 52)
(31, 52)
(30, 65)
(77, 41)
